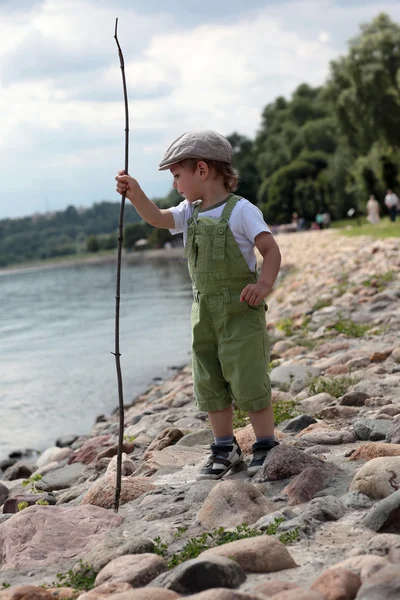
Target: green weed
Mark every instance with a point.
(284, 410)
(335, 386)
(218, 537)
(240, 418)
(350, 328)
(285, 325)
(322, 303)
(81, 579)
(32, 482)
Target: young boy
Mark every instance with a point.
(229, 340)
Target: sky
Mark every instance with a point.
(189, 64)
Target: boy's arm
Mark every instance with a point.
(255, 293)
(161, 218)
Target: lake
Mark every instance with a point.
(56, 339)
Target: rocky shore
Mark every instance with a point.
(321, 521)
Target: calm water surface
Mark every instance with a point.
(56, 339)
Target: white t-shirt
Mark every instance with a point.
(246, 222)
(391, 200)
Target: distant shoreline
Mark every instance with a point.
(103, 259)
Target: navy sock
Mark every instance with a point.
(266, 438)
(224, 440)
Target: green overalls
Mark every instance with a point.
(229, 338)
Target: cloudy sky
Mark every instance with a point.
(189, 64)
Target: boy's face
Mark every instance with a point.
(187, 182)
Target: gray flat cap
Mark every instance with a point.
(197, 144)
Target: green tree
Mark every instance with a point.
(93, 244)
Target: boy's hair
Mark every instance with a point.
(222, 169)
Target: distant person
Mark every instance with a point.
(373, 210)
(319, 219)
(229, 340)
(392, 203)
(326, 219)
(295, 220)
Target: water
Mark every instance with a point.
(56, 339)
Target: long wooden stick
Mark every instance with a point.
(118, 287)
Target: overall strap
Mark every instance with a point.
(220, 229)
(191, 227)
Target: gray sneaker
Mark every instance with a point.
(221, 460)
(260, 453)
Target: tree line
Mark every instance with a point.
(324, 149)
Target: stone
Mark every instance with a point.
(393, 435)
(111, 548)
(298, 423)
(111, 451)
(66, 440)
(337, 370)
(269, 588)
(232, 503)
(102, 492)
(354, 399)
(384, 514)
(18, 470)
(106, 591)
(262, 554)
(337, 584)
(285, 461)
(26, 592)
(89, 450)
(314, 404)
(25, 541)
(3, 493)
(339, 412)
(378, 478)
(374, 450)
(390, 410)
(224, 594)
(330, 348)
(203, 437)
(287, 374)
(385, 584)
(304, 487)
(356, 500)
(297, 386)
(361, 362)
(298, 595)
(200, 574)
(53, 454)
(378, 357)
(364, 565)
(329, 437)
(148, 593)
(281, 346)
(245, 437)
(63, 477)
(166, 438)
(371, 429)
(396, 354)
(136, 569)
(128, 467)
(11, 504)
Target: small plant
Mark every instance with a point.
(350, 328)
(273, 364)
(322, 303)
(180, 532)
(335, 386)
(81, 579)
(218, 537)
(285, 325)
(22, 505)
(240, 418)
(32, 482)
(283, 386)
(379, 281)
(129, 438)
(42, 502)
(5, 585)
(284, 410)
(305, 323)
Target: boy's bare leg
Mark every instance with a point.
(221, 422)
(263, 422)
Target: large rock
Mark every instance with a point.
(285, 461)
(102, 492)
(149, 593)
(26, 592)
(107, 590)
(200, 574)
(371, 429)
(393, 435)
(166, 438)
(262, 554)
(378, 478)
(47, 535)
(18, 470)
(375, 450)
(202, 437)
(304, 487)
(298, 423)
(363, 565)
(383, 585)
(89, 450)
(224, 594)
(329, 437)
(384, 514)
(114, 547)
(53, 454)
(232, 503)
(62, 478)
(337, 584)
(354, 399)
(287, 374)
(136, 569)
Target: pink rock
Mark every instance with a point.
(102, 492)
(44, 535)
(147, 593)
(224, 594)
(89, 450)
(166, 438)
(337, 584)
(269, 588)
(304, 487)
(26, 592)
(299, 595)
(106, 590)
(363, 565)
(337, 370)
(232, 503)
(136, 569)
(374, 450)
